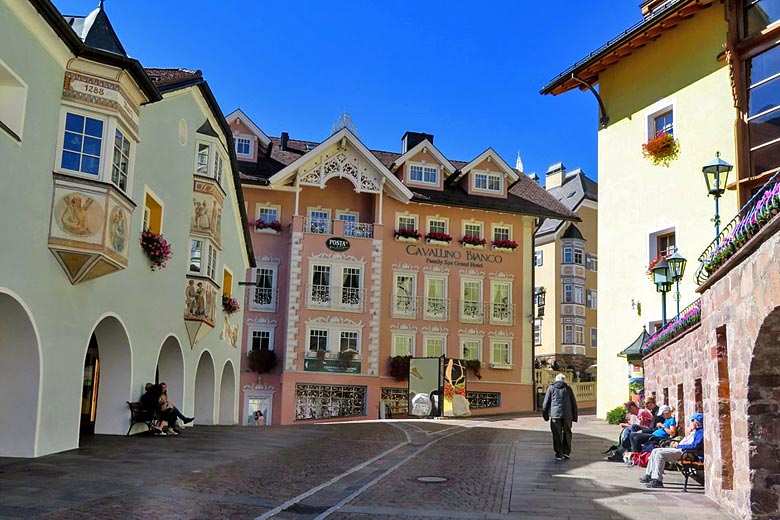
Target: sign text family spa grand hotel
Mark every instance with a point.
(363, 255)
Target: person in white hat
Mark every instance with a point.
(560, 408)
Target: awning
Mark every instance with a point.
(634, 350)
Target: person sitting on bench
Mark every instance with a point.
(663, 430)
(654, 474)
(152, 400)
(167, 405)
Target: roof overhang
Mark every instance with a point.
(586, 72)
(394, 186)
(423, 146)
(493, 155)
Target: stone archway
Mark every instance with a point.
(227, 395)
(20, 376)
(763, 434)
(108, 377)
(204, 390)
(170, 369)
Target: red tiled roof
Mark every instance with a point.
(165, 76)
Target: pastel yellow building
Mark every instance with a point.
(667, 74)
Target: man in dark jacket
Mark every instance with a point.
(560, 408)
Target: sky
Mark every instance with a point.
(467, 72)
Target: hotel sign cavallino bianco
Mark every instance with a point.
(448, 257)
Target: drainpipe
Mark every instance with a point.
(533, 316)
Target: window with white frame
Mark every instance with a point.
(350, 285)
(568, 334)
(318, 340)
(403, 345)
(243, 146)
(662, 122)
(350, 220)
(502, 233)
(591, 298)
(500, 352)
(434, 346)
(319, 221)
(568, 293)
(13, 92)
(404, 303)
(593, 334)
(120, 168)
(196, 256)
(437, 225)
(203, 161)
(82, 143)
(424, 174)
(537, 332)
(212, 265)
(484, 181)
(265, 289)
(500, 302)
(579, 335)
(349, 340)
(267, 213)
(435, 297)
(591, 262)
(320, 284)
(219, 162)
(538, 258)
(472, 229)
(471, 300)
(578, 293)
(261, 338)
(578, 256)
(407, 222)
(470, 348)
(568, 255)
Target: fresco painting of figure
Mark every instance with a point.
(79, 215)
(118, 230)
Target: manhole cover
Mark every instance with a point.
(305, 509)
(431, 480)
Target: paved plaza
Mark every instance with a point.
(482, 468)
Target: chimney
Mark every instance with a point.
(285, 138)
(412, 139)
(555, 175)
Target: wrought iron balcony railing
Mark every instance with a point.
(502, 313)
(436, 309)
(405, 306)
(264, 299)
(688, 317)
(338, 298)
(472, 311)
(358, 230)
(320, 226)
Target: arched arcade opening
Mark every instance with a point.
(227, 395)
(204, 390)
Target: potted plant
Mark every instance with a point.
(475, 366)
(399, 367)
(262, 360)
(504, 245)
(156, 248)
(346, 357)
(473, 242)
(230, 305)
(274, 227)
(406, 235)
(435, 238)
(661, 149)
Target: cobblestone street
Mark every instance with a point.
(496, 467)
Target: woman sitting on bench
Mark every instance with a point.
(151, 400)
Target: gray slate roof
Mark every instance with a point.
(576, 187)
(96, 30)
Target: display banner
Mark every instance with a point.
(425, 386)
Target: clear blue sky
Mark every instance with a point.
(467, 72)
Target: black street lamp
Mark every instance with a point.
(676, 271)
(716, 174)
(540, 300)
(663, 284)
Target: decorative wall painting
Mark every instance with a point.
(200, 301)
(79, 215)
(118, 230)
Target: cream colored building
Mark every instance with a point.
(565, 266)
(92, 153)
(665, 73)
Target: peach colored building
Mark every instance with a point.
(364, 255)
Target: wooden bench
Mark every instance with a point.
(140, 415)
(691, 466)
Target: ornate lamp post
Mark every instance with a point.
(676, 271)
(663, 284)
(716, 174)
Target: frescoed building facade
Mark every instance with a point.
(92, 153)
(370, 259)
(565, 266)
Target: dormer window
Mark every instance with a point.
(243, 146)
(488, 182)
(423, 174)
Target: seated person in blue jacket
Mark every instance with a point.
(663, 430)
(654, 475)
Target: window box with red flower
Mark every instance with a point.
(156, 248)
(504, 245)
(273, 228)
(473, 242)
(406, 235)
(661, 149)
(438, 239)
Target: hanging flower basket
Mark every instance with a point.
(505, 245)
(399, 367)
(475, 366)
(653, 264)
(268, 227)
(438, 238)
(156, 248)
(407, 235)
(262, 360)
(230, 305)
(661, 149)
(472, 241)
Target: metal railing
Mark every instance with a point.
(688, 317)
(502, 313)
(358, 230)
(405, 306)
(739, 230)
(324, 226)
(319, 226)
(436, 309)
(472, 311)
(338, 298)
(264, 299)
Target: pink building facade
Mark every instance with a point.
(364, 255)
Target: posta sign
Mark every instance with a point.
(337, 244)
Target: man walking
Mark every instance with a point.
(560, 408)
